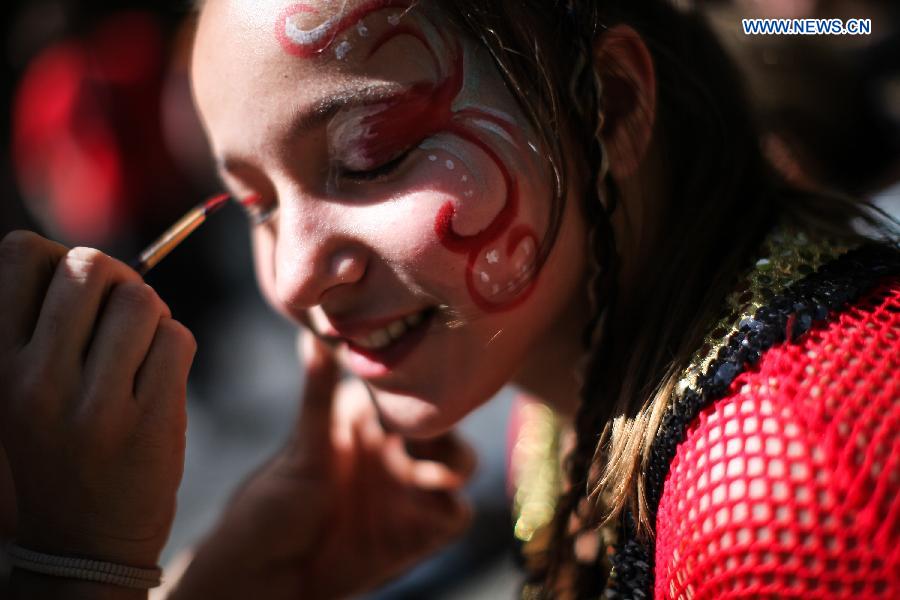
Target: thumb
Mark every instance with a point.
(313, 428)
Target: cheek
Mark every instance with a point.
(472, 184)
(464, 224)
(263, 243)
(503, 271)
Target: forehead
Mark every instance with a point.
(310, 28)
(336, 34)
(295, 54)
(307, 15)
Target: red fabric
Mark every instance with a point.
(789, 486)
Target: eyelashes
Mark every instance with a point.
(376, 173)
(257, 210)
(260, 211)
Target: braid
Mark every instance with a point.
(585, 95)
(590, 417)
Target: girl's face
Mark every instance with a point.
(399, 197)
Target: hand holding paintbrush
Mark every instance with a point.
(94, 376)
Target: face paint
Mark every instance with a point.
(256, 211)
(500, 255)
(307, 42)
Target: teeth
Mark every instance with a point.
(363, 343)
(397, 328)
(383, 337)
(379, 338)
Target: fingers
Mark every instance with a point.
(27, 263)
(443, 464)
(449, 449)
(455, 512)
(313, 429)
(164, 373)
(432, 520)
(123, 337)
(79, 286)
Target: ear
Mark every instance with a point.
(625, 68)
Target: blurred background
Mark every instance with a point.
(101, 146)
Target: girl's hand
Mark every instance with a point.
(92, 416)
(343, 507)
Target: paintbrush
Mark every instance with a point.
(176, 234)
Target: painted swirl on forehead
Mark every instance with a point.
(498, 276)
(309, 42)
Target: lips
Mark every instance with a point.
(376, 347)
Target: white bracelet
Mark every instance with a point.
(83, 568)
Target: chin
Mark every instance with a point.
(417, 418)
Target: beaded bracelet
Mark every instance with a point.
(83, 568)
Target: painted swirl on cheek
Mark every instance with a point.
(496, 279)
(498, 276)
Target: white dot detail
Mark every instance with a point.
(394, 20)
(485, 277)
(432, 157)
(450, 165)
(342, 49)
(495, 289)
(464, 178)
(493, 257)
(362, 30)
(469, 193)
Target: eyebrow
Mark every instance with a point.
(323, 110)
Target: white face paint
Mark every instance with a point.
(347, 133)
(309, 37)
(342, 49)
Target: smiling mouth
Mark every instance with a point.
(391, 333)
(378, 352)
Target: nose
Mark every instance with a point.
(314, 255)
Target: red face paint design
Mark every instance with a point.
(306, 43)
(426, 110)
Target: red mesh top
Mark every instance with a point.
(789, 486)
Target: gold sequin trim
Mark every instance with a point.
(786, 256)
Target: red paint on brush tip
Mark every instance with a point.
(215, 203)
(250, 201)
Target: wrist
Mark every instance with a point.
(141, 553)
(79, 570)
(25, 585)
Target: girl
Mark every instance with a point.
(451, 196)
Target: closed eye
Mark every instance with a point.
(376, 173)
